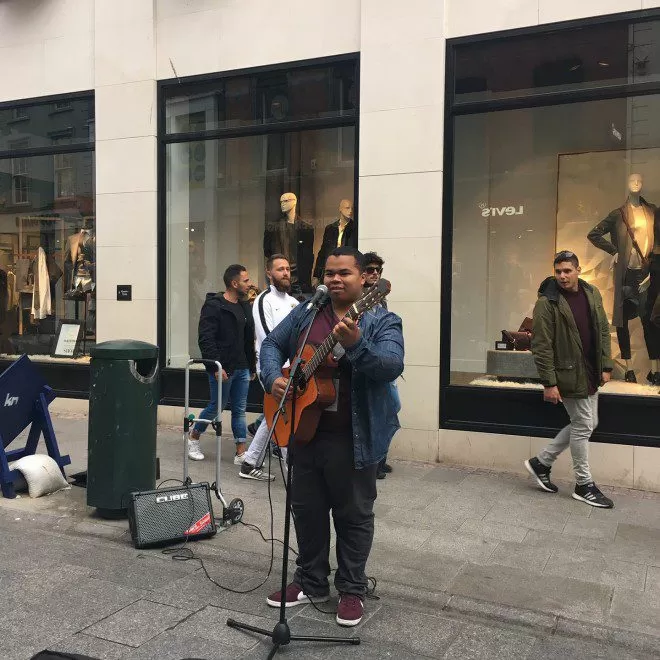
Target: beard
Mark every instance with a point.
(283, 286)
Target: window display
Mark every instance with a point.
(244, 218)
(528, 183)
(47, 245)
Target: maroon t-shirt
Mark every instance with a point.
(579, 305)
(336, 419)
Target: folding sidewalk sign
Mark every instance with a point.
(24, 400)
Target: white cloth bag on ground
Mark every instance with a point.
(41, 474)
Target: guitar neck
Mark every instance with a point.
(322, 352)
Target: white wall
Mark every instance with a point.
(125, 82)
(466, 17)
(401, 126)
(46, 47)
(202, 36)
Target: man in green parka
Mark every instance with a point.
(571, 347)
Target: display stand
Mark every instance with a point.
(24, 400)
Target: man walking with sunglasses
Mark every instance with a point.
(571, 347)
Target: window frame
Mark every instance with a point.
(171, 378)
(67, 380)
(626, 419)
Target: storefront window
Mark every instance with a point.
(595, 57)
(47, 233)
(223, 193)
(302, 94)
(529, 183)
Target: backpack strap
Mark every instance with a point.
(262, 316)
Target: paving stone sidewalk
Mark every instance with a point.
(469, 564)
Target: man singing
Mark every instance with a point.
(336, 470)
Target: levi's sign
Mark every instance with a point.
(494, 211)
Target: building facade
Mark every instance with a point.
(145, 144)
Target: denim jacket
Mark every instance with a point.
(377, 361)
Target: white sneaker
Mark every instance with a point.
(238, 458)
(194, 452)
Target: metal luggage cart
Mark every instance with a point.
(232, 513)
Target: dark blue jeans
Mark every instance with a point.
(236, 391)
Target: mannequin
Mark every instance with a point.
(631, 269)
(80, 261)
(294, 238)
(339, 233)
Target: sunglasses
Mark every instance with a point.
(373, 269)
(565, 254)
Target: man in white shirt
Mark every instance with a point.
(270, 308)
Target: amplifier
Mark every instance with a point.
(170, 515)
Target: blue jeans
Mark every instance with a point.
(236, 391)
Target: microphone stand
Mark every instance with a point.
(281, 633)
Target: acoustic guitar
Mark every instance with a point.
(315, 386)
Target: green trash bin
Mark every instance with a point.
(123, 409)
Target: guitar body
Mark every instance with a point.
(319, 368)
(318, 394)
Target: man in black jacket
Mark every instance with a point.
(226, 334)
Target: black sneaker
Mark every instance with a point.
(250, 472)
(541, 474)
(386, 468)
(252, 429)
(590, 494)
(381, 474)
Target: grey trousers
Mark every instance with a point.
(583, 414)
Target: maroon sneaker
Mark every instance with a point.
(350, 610)
(294, 596)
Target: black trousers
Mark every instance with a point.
(324, 480)
(640, 304)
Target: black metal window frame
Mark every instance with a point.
(627, 420)
(172, 386)
(67, 380)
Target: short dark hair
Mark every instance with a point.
(347, 251)
(273, 258)
(232, 273)
(373, 258)
(566, 255)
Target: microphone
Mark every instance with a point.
(319, 298)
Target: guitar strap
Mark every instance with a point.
(262, 316)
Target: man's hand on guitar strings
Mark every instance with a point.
(346, 332)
